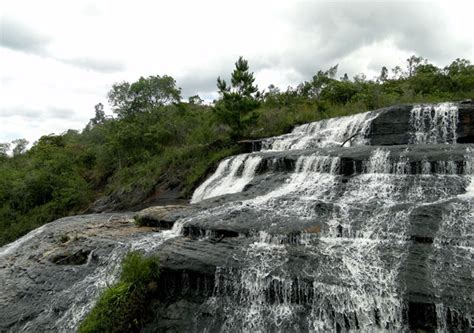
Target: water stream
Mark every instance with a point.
(336, 235)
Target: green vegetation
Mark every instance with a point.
(239, 100)
(157, 142)
(125, 306)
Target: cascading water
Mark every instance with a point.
(226, 179)
(320, 231)
(357, 232)
(434, 123)
(324, 133)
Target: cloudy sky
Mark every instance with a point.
(59, 58)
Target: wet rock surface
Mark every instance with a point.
(48, 278)
(300, 236)
(162, 217)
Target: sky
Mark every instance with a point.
(60, 58)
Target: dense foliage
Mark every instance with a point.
(157, 142)
(125, 306)
(238, 100)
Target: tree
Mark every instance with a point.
(143, 95)
(427, 79)
(338, 91)
(4, 148)
(119, 98)
(99, 117)
(321, 80)
(397, 72)
(239, 99)
(461, 75)
(195, 100)
(99, 114)
(413, 63)
(345, 77)
(383, 74)
(20, 146)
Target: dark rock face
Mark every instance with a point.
(393, 127)
(302, 236)
(466, 122)
(249, 146)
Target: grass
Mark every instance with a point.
(124, 307)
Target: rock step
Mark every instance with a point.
(415, 159)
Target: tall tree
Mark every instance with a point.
(320, 81)
(4, 148)
(239, 99)
(99, 117)
(99, 114)
(383, 74)
(143, 95)
(20, 146)
(413, 63)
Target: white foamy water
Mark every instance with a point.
(10, 248)
(106, 275)
(226, 178)
(370, 219)
(367, 299)
(155, 240)
(434, 123)
(469, 171)
(469, 189)
(324, 133)
(84, 293)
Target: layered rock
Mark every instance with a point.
(304, 235)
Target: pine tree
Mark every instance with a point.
(239, 100)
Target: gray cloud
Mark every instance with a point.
(60, 113)
(18, 36)
(94, 64)
(328, 31)
(203, 80)
(322, 34)
(21, 111)
(30, 114)
(192, 85)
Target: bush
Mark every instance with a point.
(124, 307)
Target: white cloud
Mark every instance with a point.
(66, 55)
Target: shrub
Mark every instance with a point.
(124, 307)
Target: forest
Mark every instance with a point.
(156, 140)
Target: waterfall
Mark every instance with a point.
(434, 123)
(358, 230)
(330, 132)
(227, 179)
(361, 223)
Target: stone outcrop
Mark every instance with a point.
(368, 237)
(392, 126)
